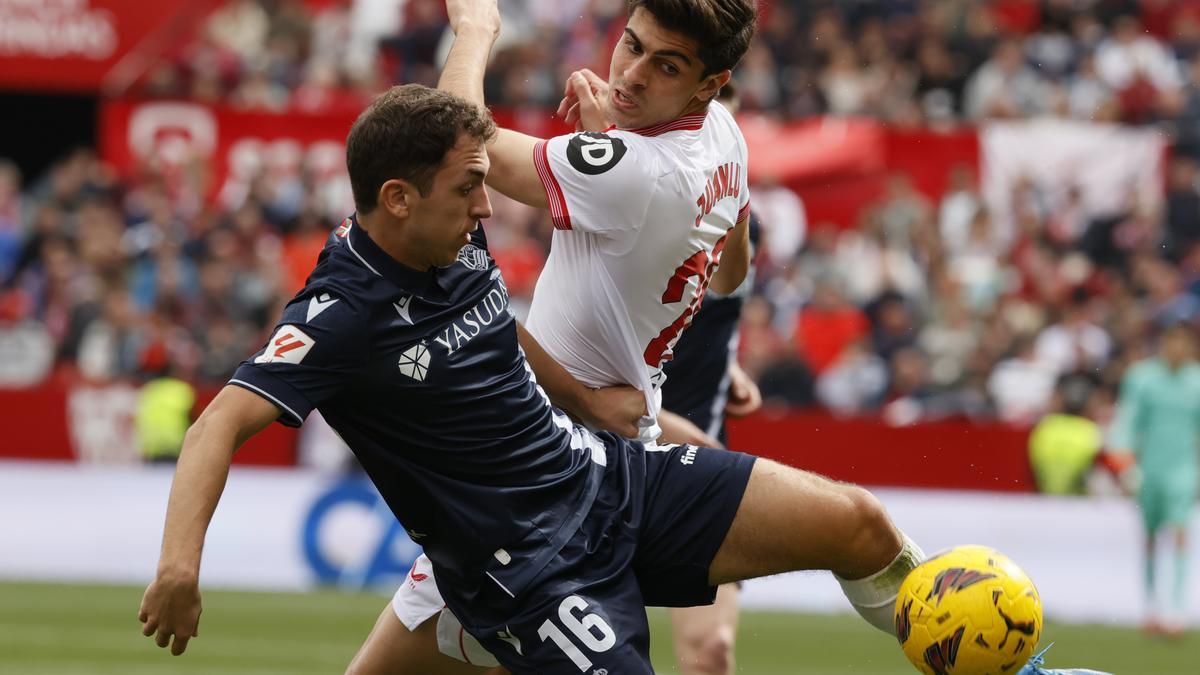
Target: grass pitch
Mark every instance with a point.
(48, 629)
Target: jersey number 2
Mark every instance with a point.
(699, 265)
(593, 632)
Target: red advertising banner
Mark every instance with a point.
(231, 146)
(957, 454)
(234, 146)
(74, 45)
(68, 420)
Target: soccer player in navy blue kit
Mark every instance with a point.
(548, 540)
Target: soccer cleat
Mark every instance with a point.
(1034, 667)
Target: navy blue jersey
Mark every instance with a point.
(422, 375)
(697, 385)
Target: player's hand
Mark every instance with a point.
(744, 396)
(483, 14)
(616, 409)
(583, 101)
(171, 609)
(679, 429)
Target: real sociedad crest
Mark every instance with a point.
(474, 258)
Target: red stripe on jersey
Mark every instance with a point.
(743, 213)
(554, 194)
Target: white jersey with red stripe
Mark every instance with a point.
(640, 218)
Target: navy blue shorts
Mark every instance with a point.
(653, 532)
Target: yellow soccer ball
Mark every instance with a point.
(968, 611)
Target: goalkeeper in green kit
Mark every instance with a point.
(1159, 422)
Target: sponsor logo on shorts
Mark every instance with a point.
(511, 639)
(689, 457)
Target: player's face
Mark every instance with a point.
(655, 75)
(1177, 347)
(456, 203)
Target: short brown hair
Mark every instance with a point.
(405, 133)
(721, 28)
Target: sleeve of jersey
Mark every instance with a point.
(597, 183)
(314, 351)
(744, 195)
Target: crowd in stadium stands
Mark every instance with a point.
(918, 313)
(909, 62)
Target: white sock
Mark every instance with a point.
(874, 597)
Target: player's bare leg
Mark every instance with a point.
(704, 636)
(795, 520)
(392, 649)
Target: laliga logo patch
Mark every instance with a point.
(474, 258)
(594, 153)
(288, 345)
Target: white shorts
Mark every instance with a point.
(418, 600)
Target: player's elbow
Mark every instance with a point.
(729, 276)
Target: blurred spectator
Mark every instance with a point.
(784, 221)
(828, 326)
(111, 345)
(1021, 386)
(958, 208)
(855, 383)
(1065, 443)
(10, 216)
(870, 264)
(1074, 342)
(164, 413)
(1138, 67)
(893, 326)
(1183, 206)
(1004, 86)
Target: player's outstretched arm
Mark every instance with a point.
(735, 259)
(476, 24)
(170, 608)
(616, 409)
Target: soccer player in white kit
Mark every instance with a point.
(648, 215)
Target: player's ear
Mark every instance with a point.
(711, 85)
(396, 196)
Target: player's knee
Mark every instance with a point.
(874, 541)
(710, 652)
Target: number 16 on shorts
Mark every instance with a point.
(588, 630)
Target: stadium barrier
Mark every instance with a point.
(68, 420)
(289, 529)
(93, 423)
